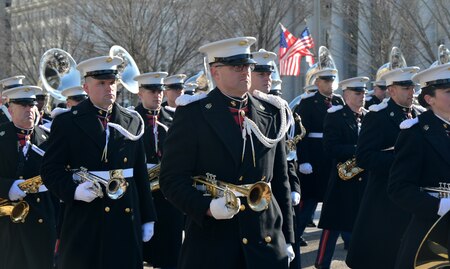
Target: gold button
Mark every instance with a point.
(40, 220)
(127, 210)
(21, 177)
(245, 241)
(125, 160)
(38, 199)
(107, 209)
(242, 113)
(68, 166)
(268, 239)
(242, 208)
(360, 178)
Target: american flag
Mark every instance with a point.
(292, 49)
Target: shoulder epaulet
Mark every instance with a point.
(406, 124)
(58, 111)
(169, 108)
(186, 99)
(378, 107)
(421, 109)
(334, 108)
(307, 95)
(274, 100)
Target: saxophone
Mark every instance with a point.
(291, 144)
(153, 177)
(348, 169)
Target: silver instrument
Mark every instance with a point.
(116, 186)
(128, 70)
(325, 61)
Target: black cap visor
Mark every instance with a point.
(263, 68)
(327, 78)
(24, 101)
(404, 83)
(238, 59)
(153, 87)
(356, 89)
(102, 74)
(174, 86)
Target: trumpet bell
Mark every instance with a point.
(259, 196)
(127, 70)
(57, 71)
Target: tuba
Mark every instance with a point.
(433, 250)
(57, 71)
(116, 186)
(127, 70)
(396, 60)
(325, 61)
(258, 194)
(443, 56)
(348, 169)
(16, 211)
(200, 79)
(153, 176)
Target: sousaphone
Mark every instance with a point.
(127, 70)
(443, 56)
(325, 61)
(57, 71)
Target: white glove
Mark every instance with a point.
(295, 196)
(84, 192)
(42, 188)
(290, 253)
(15, 193)
(305, 168)
(444, 206)
(220, 211)
(147, 231)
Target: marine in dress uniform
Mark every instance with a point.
(422, 159)
(207, 137)
(42, 102)
(340, 135)
(6, 84)
(163, 249)
(29, 244)
(262, 74)
(378, 93)
(100, 136)
(314, 164)
(174, 88)
(380, 223)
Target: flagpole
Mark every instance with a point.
(317, 21)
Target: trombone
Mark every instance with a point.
(258, 194)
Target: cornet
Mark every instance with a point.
(116, 186)
(31, 185)
(348, 169)
(258, 194)
(153, 176)
(16, 211)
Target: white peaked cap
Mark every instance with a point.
(238, 47)
(12, 82)
(399, 74)
(102, 63)
(437, 75)
(73, 91)
(356, 82)
(22, 92)
(175, 79)
(151, 78)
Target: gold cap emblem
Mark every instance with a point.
(109, 59)
(243, 43)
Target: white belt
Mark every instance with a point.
(151, 165)
(315, 135)
(105, 174)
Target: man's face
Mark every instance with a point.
(261, 81)
(151, 99)
(379, 92)
(440, 102)
(325, 86)
(41, 100)
(23, 116)
(102, 92)
(355, 100)
(233, 80)
(172, 95)
(402, 95)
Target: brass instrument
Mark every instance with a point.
(348, 169)
(153, 176)
(16, 211)
(291, 144)
(324, 61)
(116, 186)
(128, 69)
(433, 250)
(258, 194)
(31, 185)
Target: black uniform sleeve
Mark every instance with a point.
(293, 178)
(370, 153)
(178, 164)
(53, 169)
(333, 139)
(403, 187)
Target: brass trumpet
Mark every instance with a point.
(348, 169)
(115, 187)
(258, 194)
(31, 185)
(16, 211)
(153, 176)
